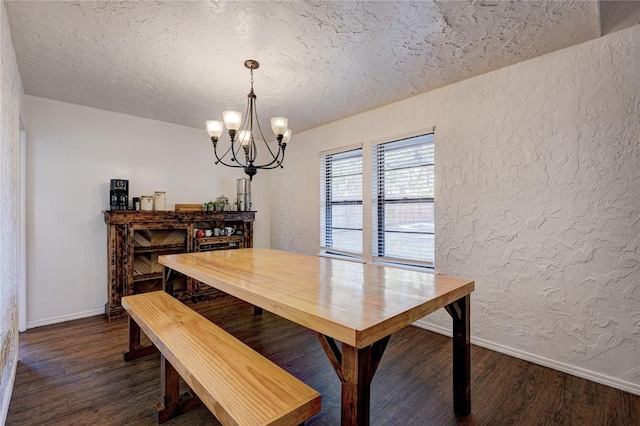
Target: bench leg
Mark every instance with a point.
(135, 350)
(170, 384)
(173, 404)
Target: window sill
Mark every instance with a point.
(427, 269)
(341, 257)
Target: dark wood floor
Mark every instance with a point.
(72, 374)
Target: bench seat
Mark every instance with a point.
(238, 385)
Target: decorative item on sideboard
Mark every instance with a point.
(222, 204)
(158, 200)
(146, 202)
(119, 198)
(243, 200)
(119, 194)
(189, 208)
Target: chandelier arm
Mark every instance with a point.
(277, 161)
(274, 157)
(239, 164)
(274, 161)
(252, 151)
(243, 126)
(279, 164)
(220, 159)
(235, 154)
(248, 126)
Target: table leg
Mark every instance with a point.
(356, 386)
(460, 312)
(355, 368)
(167, 285)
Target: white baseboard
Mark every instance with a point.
(4, 404)
(614, 382)
(63, 318)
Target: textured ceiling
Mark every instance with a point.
(182, 62)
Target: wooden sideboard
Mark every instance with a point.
(135, 239)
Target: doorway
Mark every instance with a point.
(22, 228)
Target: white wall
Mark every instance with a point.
(537, 200)
(10, 96)
(72, 153)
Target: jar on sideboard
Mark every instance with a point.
(158, 200)
(146, 202)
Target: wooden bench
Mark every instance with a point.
(238, 385)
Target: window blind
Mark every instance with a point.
(341, 203)
(403, 205)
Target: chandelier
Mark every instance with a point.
(243, 149)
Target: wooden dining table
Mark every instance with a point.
(360, 305)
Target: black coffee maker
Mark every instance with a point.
(119, 194)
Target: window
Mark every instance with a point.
(403, 207)
(341, 203)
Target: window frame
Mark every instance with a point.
(328, 202)
(380, 200)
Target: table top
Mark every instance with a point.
(355, 303)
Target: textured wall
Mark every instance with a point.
(537, 199)
(73, 152)
(10, 97)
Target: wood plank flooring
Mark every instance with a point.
(73, 374)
